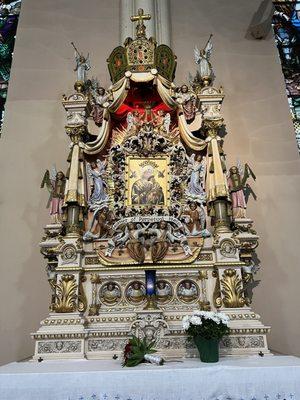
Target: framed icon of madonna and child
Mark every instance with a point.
(147, 181)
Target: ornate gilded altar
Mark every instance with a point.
(145, 221)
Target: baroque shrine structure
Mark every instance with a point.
(148, 223)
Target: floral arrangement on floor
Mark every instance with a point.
(206, 328)
(138, 351)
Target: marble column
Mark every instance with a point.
(158, 26)
(126, 26)
(163, 22)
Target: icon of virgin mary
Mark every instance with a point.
(146, 190)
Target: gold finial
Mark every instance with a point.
(140, 18)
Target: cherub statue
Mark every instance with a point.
(129, 121)
(202, 58)
(167, 122)
(197, 166)
(96, 171)
(134, 121)
(162, 121)
(236, 184)
(82, 65)
(55, 183)
(135, 242)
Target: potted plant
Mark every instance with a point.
(206, 328)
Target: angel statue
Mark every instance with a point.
(95, 171)
(194, 218)
(133, 238)
(167, 122)
(197, 166)
(55, 183)
(202, 60)
(188, 102)
(164, 234)
(162, 121)
(237, 179)
(134, 121)
(99, 97)
(82, 65)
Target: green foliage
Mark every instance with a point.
(209, 329)
(135, 351)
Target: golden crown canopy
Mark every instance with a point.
(141, 54)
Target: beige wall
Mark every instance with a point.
(258, 125)
(33, 139)
(259, 132)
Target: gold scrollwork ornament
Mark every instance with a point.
(232, 289)
(82, 300)
(66, 294)
(217, 297)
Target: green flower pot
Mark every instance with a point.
(208, 349)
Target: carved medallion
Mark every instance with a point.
(135, 292)
(188, 291)
(227, 248)
(110, 293)
(69, 254)
(164, 291)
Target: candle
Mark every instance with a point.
(150, 282)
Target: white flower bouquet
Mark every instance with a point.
(206, 328)
(208, 324)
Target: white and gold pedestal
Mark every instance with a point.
(102, 328)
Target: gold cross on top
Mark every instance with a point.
(140, 18)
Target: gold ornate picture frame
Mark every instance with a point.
(147, 181)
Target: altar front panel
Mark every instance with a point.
(254, 377)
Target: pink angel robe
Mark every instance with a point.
(238, 201)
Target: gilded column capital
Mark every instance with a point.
(75, 132)
(212, 126)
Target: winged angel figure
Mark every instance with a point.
(237, 179)
(55, 183)
(83, 64)
(202, 58)
(197, 167)
(96, 171)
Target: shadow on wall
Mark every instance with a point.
(261, 22)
